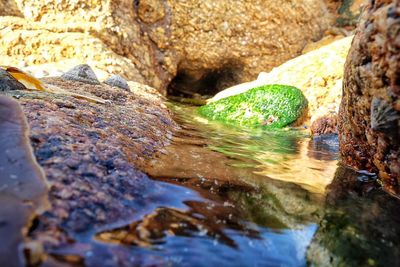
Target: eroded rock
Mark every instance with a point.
(370, 110)
(153, 41)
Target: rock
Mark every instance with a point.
(370, 110)
(326, 124)
(117, 81)
(153, 41)
(269, 106)
(8, 82)
(318, 74)
(22, 183)
(231, 42)
(81, 73)
(90, 154)
(346, 12)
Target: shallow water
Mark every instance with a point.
(225, 196)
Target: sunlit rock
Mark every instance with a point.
(153, 41)
(269, 106)
(318, 74)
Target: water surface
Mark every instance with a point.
(226, 196)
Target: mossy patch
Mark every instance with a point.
(267, 106)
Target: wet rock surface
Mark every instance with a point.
(369, 112)
(90, 152)
(23, 188)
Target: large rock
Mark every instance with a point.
(317, 73)
(89, 150)
(370, 109)
(152, 41)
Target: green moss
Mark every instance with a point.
(268, 106)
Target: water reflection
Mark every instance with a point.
(360, 226)
(231, 197)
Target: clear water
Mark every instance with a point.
(226, 196)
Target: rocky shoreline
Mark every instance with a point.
(91, 153)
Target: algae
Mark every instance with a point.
(268, 106)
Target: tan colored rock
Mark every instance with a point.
(370, 111)
(151, 41)
(240, 39)
(318, 74)
(104, 34)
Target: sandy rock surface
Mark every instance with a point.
(151, 41)
(370, 109)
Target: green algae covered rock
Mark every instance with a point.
(267, 106)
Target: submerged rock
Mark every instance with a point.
(81, 73)
(370, 110)
(268, 106)
(360, 225)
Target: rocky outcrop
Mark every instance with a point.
(370, 110)
(153, 41)
(90, 152)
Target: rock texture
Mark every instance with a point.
(152, 41)
(90, 153)
(370, 109)
(22, 183)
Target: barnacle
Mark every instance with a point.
(81, 73)
(383, 117)
(117, 81)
